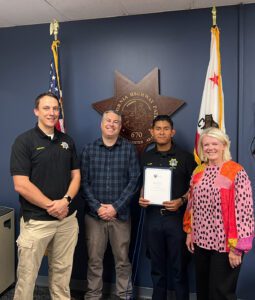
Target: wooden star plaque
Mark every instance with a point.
(138, 103)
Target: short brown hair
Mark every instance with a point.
(39, 97)
(112, 111)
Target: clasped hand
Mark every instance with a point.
(107, 212)
(58, 208)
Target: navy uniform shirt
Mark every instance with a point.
(48, 164)
(181, 162)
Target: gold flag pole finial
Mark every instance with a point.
(54, 27)
(214, 16)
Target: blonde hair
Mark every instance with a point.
(220, 136)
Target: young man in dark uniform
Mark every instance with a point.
(164, 234)
(46, 174)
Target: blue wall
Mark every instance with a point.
(177, 43)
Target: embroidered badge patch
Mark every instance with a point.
(64, 145)
(173, 162)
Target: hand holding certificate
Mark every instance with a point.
(157, 184)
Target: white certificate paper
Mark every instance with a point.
(157, 184)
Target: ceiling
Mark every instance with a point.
(28, 12)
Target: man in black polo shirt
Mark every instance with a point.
(164, 234)
(46, 174)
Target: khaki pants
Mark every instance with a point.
(98, 232)
(60, 238)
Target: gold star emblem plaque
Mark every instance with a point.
(138, 103)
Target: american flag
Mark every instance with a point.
(55, 83)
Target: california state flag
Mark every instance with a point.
(212, 105)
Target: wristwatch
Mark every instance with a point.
(68, 198)
(183, 199)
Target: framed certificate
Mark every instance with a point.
(157, 184)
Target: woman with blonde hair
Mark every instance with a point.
(219, 219)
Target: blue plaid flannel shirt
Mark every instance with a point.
(110, 175)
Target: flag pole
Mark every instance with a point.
(54, 28)
(55, 82)
(211, 112)
(214, 16)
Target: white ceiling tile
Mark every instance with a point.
(152, 6)
(26, 12)
(211, 3)
(88, 9)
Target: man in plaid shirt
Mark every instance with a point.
(110, 175)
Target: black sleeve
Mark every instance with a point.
(190, 164)
(75, 163)
(20, 163)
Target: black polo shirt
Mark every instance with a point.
(48, 164)
(181, 162)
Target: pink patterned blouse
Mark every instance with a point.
(207, 220)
